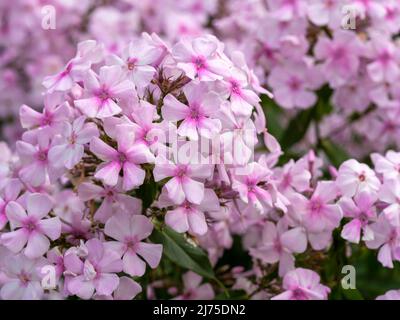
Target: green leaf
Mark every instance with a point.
(232, 295)
(336, 154)
(147, 192)
(181, 252)
(297, 128)
(352, 294)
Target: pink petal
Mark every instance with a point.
(150, 252)
(37, 245)
(39, 205)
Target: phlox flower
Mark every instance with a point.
(194, 290)
(390, 194)
(354, 177)
(95, 271)
(31, 227)
(278, 244)
(362, 212)
(103, 91)
(10, 193)
(69, 148)
(129, 230)
(198, 116)
(390, 295)
(128, 156)
(303, 284)
(388, 165)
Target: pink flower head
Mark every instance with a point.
(23, 278)
(52, 116)
(390, 194)
(388, 165)
(303, 284)
(387, 239)
(103, 92)
(129, 230)
(36, 165)
(198, 58)
(128, 156)
(187, 179)
(318, 213)
(31, 227)
(325, 12)
(113, 200)
(69, 149)
(199, 116)
(354, 177)
(287, 10)
(390, 295)
(194, 290)
(10, 193)
(94, 271)
(188, 216)
(361, 211)
(278, 244)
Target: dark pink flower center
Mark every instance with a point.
(103, 94)
(24, 277)
(30, 224)
(42, 155)
(235, 87)
(199, 63)
(294, 83)
(299, 294)
(131, 63)
(385, 57)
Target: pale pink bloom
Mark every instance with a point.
(390, 194)
(294, 84)
(256, 187)
(137, 60)
(187, 179)
(388, 165)
(293, 177)
(198, 58)
(340, 55)
(126, 290)
(387, 240)
(325, 12)
(113, 200)
(287, 10)
(128, 157)
(199, 116)
(361, 211)
(94, 271)
(10, 193)
(390, 295)
(385, 61)
(303, 284)
(189, 217)
(31, 227)
(235, 87)
(102, 92)
(319, 213)
(88, 52)
(373, 8)
(52, 117)
(23, 278)
(194, 290)
(278, 244)
(354, 177)
(36, 165)
(69, 148)
(129, 230)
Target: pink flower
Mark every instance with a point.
(69, 149)
(198, 115)
(294, 85)
(354, 177)
(52, 117)
(387, 238)
(302, 284)
(385, 61)
(23, 278)
(128, 156)
(361, 211)
(293, 176)
(36, 165)
(390, 194)
(324, 12)
(194, 290)
(188, 216)
(129, 230)
(318, 214)
(287, 10)
(198, 58)
(390, 295)
(388, 165)
(30, 227)
(185, 182)
(103, 92)
(113, 200)
(279, 244)
(94, 271)
(10, 193)
(340, 55)
(126, 290)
